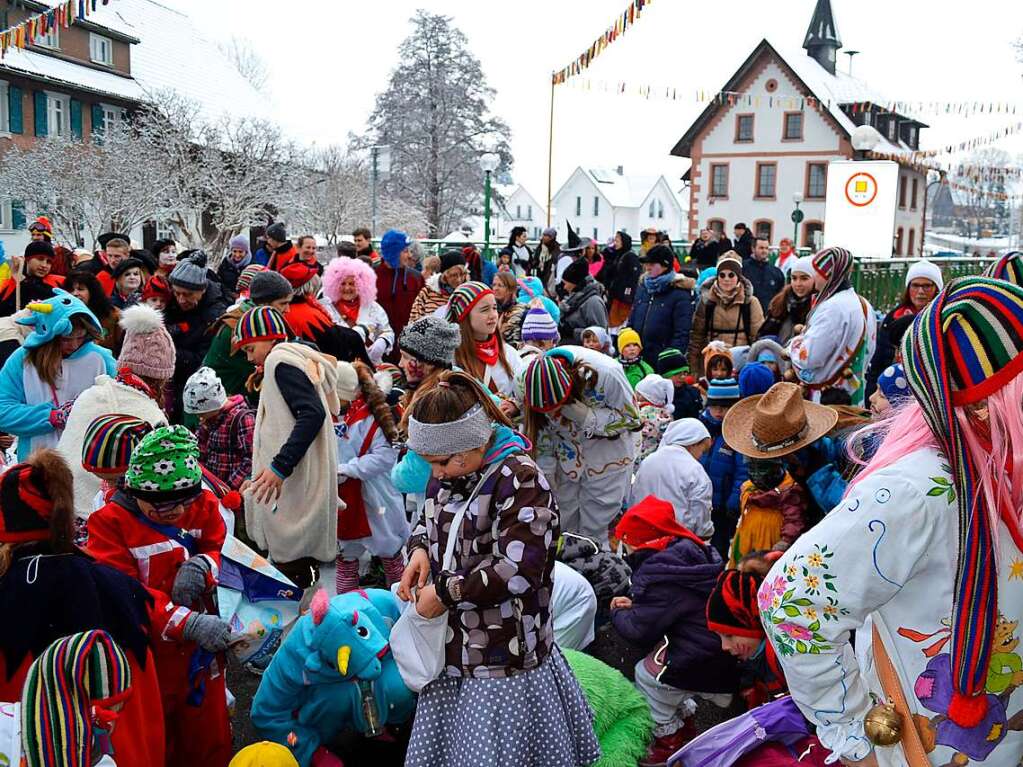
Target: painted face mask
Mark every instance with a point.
(766, 474)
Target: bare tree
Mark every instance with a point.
(114, 182)
(338, 198)
(435, 115)
(247, 61)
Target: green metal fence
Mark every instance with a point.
(880, 282)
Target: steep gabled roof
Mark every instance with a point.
(830, 90)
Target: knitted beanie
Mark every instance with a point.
(755, 378)
(894, 384)
(626, 337)
(165, 465)
(723, 391)
(190, 273)
(802, 265)
(265, 754)
(109, 442)
(391, 246)
(730, 260)
(246, 276)
(671, 362)
(576, 272)
(277, 232)
(450, 258)
(267, 286)
(538, 325)
(548, 383)
(157, 287)
(74, 683)
(347, 386)
(431, 340)
(1009, 268)
(204, 393)
(963, 347)
(261, 323)
(42, 224)
(39, 249)
(926, 270)
(732, 608)
(147, 349)
(125, 265)
(241, 242)
(657, 391)
(28, 493)
(464, 298)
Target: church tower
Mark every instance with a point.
(822, 41)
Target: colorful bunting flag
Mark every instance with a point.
(629, 17)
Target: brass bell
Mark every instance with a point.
(883, 725)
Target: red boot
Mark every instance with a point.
(663, 747)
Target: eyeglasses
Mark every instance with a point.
(166, 507)
(923, 286)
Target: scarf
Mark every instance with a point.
(126, 377)
(487, 351)
(964, 346)
(735, 295)
(445, 289)
(835, 266)
(239, 265)
(658, 284)
(349, 310)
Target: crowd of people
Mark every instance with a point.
(733, 463)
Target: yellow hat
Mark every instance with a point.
(626, 337)
(265, 754)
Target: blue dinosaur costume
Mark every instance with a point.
(26, 401)
(311, 691)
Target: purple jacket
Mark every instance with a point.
(670, 589)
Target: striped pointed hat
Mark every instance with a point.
(835, 266)
(464, 298)
(963, 347)
(548, 382)
(1009, 268)
(70, 688)
(109, 441)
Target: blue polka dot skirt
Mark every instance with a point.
(537, 718)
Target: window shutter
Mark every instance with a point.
(76, 118)
(40, 113)
(97, 123)
(17, 215)
(14, 111)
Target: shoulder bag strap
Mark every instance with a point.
(456, 523)
(912, 746)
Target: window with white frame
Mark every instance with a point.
(165, 230)
(5, 117)
(595, 236)
(58, 115)
(101, 50)
(111, 118)
(51, 39)
(536, 233)
(6, 217)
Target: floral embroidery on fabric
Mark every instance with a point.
(784, 598)
(943, 485)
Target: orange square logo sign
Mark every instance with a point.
(861, 189)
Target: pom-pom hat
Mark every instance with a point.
(165, 466)
(147, 349)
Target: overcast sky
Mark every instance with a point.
(328, 59)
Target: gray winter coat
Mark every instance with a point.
(583, 308)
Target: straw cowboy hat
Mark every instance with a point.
(777, 423)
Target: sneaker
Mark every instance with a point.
(663, 747)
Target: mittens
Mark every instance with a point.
(190, 583)
(208, 631)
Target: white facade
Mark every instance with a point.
(523, 209)
(598, 203)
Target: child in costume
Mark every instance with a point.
(373, 518)
(580, 414)
(630, 351)
(673, 574)
(291, 502)
(655, 400)
(539, 333)
(165, 530)
(671, 364)
(598, 339)
(717, 363)
(264, 754)
(58, 361)
(772, 510)
(725, 467)
(226, 427)
(891, 392)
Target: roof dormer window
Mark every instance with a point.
(51, 39)
(101, 50)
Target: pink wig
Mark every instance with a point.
(340, 269)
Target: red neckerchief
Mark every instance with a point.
(349, 310)
(126, 377)
(356, 412)
(487, 351)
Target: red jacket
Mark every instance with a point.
(396, 291)
(280, 260)
(118, 538)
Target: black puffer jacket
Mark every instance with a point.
(191, 341)
(621, 272)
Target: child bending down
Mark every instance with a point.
(673, 573)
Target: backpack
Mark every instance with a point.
(744, 318)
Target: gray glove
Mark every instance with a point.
(190, 582)
(208, 631)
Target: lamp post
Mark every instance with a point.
(797, 217)
(489, 163)
(381, 156)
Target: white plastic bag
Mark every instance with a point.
(10, 734)
(417, 643)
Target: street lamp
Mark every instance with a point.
(381, 155)
(489, 163)
(797, 217)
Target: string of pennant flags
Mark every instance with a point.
(65, 14)
(988, 194)
(622, 23)
(733, 98)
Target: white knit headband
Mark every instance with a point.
(470, 432)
